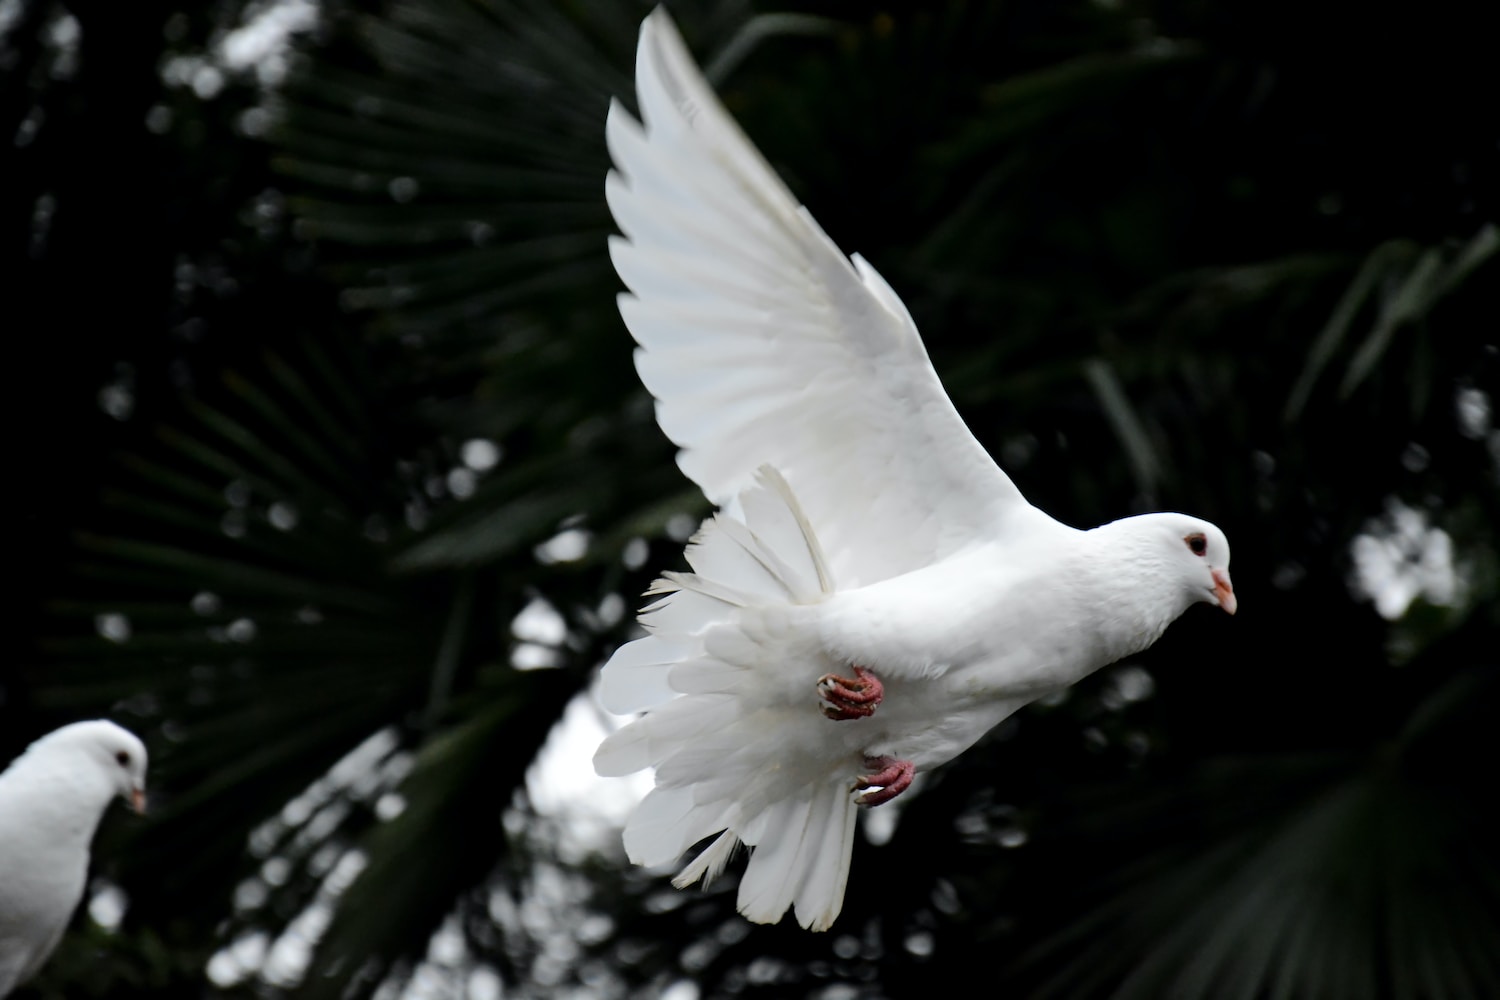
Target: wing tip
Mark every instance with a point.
(617, 117)
(619, 245)
(676, 83)
(657, 28)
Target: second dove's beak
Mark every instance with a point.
(1224, 590)
(138, 800)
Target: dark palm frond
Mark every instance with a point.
(468, 157)
(1303, 875)
(446, 839)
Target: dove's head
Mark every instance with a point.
(1182, 559)
(109, 751)
(1197, 553)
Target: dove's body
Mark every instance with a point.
(963, 643)
(959, 645)
(51, 800)
(862, 525)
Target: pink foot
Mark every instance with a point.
(844, 698)
(891, 778)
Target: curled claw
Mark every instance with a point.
(850, 698)
(891, 777)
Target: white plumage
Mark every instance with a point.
(861, 524)
(51, 800)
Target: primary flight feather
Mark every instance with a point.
(874, 593)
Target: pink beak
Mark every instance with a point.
(1224, 590)
(138, 800)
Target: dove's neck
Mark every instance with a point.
(1137, 595)
(63, 794)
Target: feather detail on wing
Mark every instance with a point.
(764, 344)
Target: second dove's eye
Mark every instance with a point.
(123, 758)
(1197, 543)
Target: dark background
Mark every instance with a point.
(1231, 258)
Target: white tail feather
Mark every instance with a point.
(710, 864)
(639, 673)
(729, 723)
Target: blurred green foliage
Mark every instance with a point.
(1232, 258)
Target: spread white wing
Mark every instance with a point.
(764, 344)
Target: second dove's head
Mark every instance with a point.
(115, 751)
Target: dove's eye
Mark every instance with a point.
(123, 758)
(1197, 543)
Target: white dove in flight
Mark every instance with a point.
(874, 593)
(51, 800)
